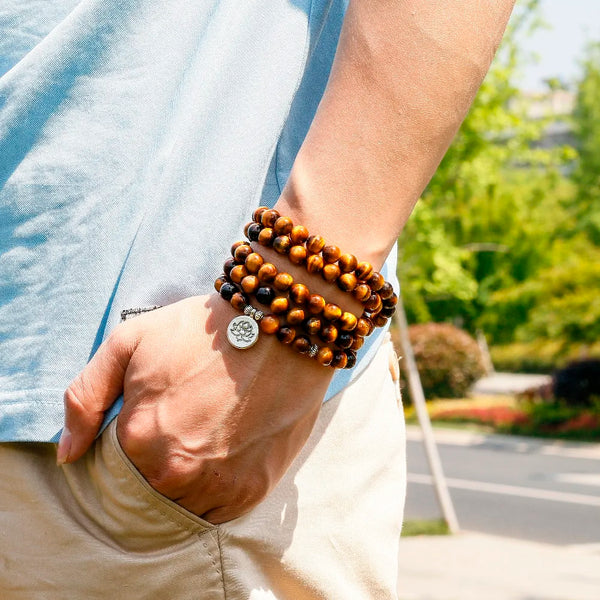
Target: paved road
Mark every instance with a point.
(510, 486)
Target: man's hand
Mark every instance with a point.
(211, 427)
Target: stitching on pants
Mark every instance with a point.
(218, 569)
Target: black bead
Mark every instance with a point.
(265, 295)
(351, 359)
(387, 311)
(228, 290)
(253, 231)
(344, 340)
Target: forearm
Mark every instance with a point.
(404, 76)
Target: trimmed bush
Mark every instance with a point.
(448, 359)
(578, 383)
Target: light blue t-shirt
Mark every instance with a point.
(136, 138)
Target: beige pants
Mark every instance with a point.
(330, 529)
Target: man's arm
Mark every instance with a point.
(214, 428)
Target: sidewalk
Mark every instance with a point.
(474, 566)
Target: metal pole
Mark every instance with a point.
(418, 398)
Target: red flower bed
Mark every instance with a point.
(496, 416)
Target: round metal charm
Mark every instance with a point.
(242, 332)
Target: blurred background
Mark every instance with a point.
(500, 276)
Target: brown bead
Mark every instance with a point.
(242, 253)
(358, 342)
(364, 327)
(391, 301)
(361, 292)
(267, 273)
(387, 311)
(325, 356)
(373, 304)
(286, 335)
(269, 217)
(258, 213)
(269, 324)
(254, 262)
(250, 284)
(339, 359)
(299, 234)
(351, 356)
(330, 253)
(282, 244)
(253, 231)
(266, 236)
(283, 281)
(332, 312)
(219, 281)
(297, 255)
(299, 294)
(330, 272)
(379, 320)
(283, 226)
(236, 245)
(314, 263)
(247, 227)
(344, 340)
(347, 321)
(386, 291)
(295, 316)
(316, 304)
(238, 301)
(346, 282)
(363, 270)
(228, 265)
(315, 243)
(347, 263)
(328, 333)
(313, 325)
(238, 273)
(376, 281)
(301, 344)
(280, 305)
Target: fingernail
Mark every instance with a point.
(64, 447)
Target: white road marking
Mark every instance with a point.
(578, 478)
(509, 490)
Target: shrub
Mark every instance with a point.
(448, 359)
(578, 383)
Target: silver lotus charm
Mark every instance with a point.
(242, 332)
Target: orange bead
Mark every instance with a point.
(241, 253)
(330, 253)
(347, 282)
(282, 244)
(299, 234)
(325, 356)
(283, 226)
(363, 270)
(376, 281)
(347, 321)
(266, 236)
(299, 294)
(364, 327)
(328, 333)
(238, 301)
(280, 305)
(361, 292)
(236, 245)
(330, 272)
(357, 344)
(301, 344)
(347, 263)
(267, 273)
(269, 324)
(332, 312)
(283, 281)
(297, 255)
(391, 301)
(238, 273)
(219, 281)
(316, 304)
(373, 304)
(269, 217)
(295, 316)
(314, 263)
(379, 320)
(286, 335)
(250, 284)
(258, 213)
(313, 326)
(339, 359)
(315, 243)
(254, 262)
(387, 291)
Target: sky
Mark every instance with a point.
(571, 24)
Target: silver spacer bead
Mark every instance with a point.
(313, 350)
(248, 310)
(258, 315)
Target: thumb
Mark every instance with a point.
(92, 392)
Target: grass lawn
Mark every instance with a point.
(425, 527)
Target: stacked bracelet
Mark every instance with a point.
(296, 316)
